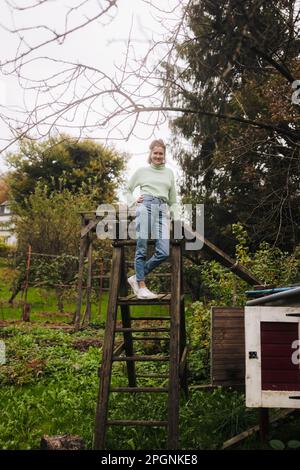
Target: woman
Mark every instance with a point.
(157, 187)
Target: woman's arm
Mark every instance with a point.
(130, 187)
(174, 206)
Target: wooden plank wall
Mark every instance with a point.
(228, 346)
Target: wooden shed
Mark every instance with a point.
(272, 345)
(228, 347)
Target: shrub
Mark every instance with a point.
(5, 249)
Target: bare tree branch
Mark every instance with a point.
(86, 98)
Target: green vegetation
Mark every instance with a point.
(49, 382)
(229, 74)
(49, 386)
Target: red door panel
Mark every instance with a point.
(280, 356)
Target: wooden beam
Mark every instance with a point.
(219, 255)
(243, 435)
(92, 224)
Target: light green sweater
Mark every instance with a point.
(157, 180)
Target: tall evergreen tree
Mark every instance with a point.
(238, 62)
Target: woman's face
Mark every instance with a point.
(157, 155)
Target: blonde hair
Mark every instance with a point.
(157, 143)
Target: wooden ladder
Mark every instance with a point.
(118, 296)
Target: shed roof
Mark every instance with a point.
(286, 297)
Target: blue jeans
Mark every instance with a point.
(151, 219)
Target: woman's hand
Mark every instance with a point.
(140, 199)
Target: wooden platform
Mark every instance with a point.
(163, 299)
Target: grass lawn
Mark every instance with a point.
(43, 303)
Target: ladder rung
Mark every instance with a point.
(151, 318)
(124, 422)
(141, 358)
(150, 338)
(141, 330)
(140, 389)
(119, 349)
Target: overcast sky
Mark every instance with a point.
(100, 45)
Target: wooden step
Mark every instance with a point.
(134, 422)
(151, 318)
(141, 358)
(162, 299)
(141, 330)
(140, 389)
(150, 338)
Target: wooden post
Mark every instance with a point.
(108, 344)
(82, 253)
(263, 424)
(125, 313)
(183, 378)
(100, 291)
(88, 312)
(25, 306)
(173, 405)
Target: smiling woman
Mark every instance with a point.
(157, 186)
(157, 153)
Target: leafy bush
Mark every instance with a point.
(221, 287)
(198, 336)
(5, 249)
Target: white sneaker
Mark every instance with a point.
(134, 284)
(145, 293)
